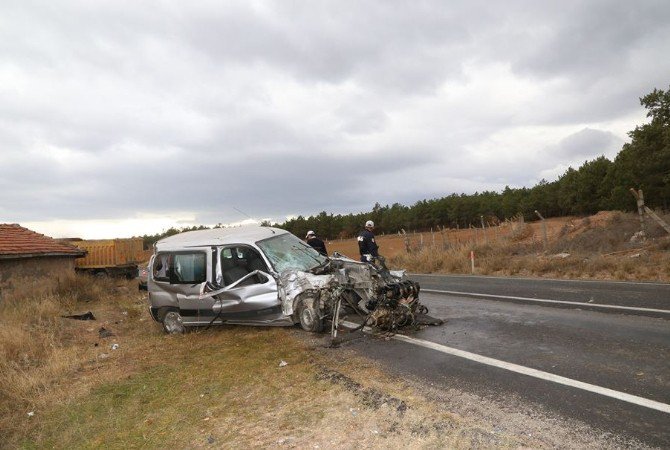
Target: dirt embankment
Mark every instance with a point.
(602, 246)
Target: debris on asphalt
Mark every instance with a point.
(86, 316)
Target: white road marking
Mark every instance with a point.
(542, 300)
(652, 404)
(541, 280)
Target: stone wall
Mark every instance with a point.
(33, 275)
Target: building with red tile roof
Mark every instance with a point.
(19, 242)
(33, 259)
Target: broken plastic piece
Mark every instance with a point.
(86, 316)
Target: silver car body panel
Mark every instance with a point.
(253, 304)
(261, 297)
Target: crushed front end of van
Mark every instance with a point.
(343, 289)
(268, 277)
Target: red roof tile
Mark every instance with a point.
(19, 242)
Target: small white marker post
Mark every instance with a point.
(472, 260)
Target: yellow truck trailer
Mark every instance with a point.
(112, 257)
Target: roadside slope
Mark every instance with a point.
(66, 386)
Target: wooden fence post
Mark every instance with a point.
(408, 249)
(544, 229)
(444, 242)
(658, 220)
(639, 196)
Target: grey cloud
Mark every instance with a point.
(362, 121)
(588, 143)
(590, 39)
(322, 41)
(278, 107)
(213, 184)
(522, 167)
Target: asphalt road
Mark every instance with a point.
(627, 353)
(629, 295)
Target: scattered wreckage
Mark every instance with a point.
(267, 276)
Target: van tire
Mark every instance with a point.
(308, 317)
(172, 322)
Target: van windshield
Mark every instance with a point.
(287, 252)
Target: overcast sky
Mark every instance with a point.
(124, 118)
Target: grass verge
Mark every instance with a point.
(65, 386)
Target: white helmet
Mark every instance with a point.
(369, 223)
(310, 233)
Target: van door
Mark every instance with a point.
(186, 273)
(249, 293)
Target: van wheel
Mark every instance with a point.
(309, 318)
(172, 322)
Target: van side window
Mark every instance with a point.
(190, 268)
(186, 268)
(237, 262)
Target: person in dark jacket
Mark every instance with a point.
(316, 243)
(367, 246)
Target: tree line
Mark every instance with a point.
(599, 184)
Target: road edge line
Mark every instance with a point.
(542, 300)
(535, 373)
(558, 280)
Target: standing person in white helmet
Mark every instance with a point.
(367, 246)
(316, 243)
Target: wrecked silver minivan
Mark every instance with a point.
(267, 276)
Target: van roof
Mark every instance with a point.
(247, 234)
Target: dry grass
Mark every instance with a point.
(223, 386)
(38, 348)
(598, 247)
